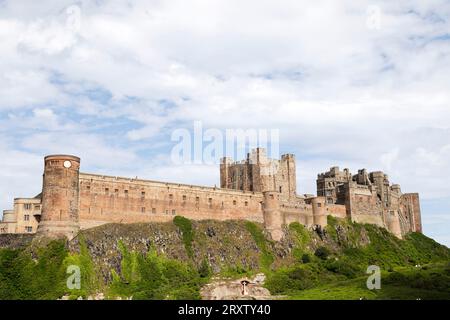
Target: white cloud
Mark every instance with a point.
(341, 93)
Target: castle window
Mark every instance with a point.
(29, 229)
(26, 217)
(197, 199)
(106, 190)
(167, 211)
(319, 205)
(209, 200)
(143, 209)
(143, 194)
(280, 189)
(170, 196)
(153, 210)
(184, 198)
(116, 190)
(246, 203)
(271, 196)
(173, 212)
(27, 206)
(88, 188)
(126, 193)
(234, 202)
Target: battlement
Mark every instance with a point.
(257, 189)
(259, 173)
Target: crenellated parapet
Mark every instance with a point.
(256, 189)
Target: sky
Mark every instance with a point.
(355, 84)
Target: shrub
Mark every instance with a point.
(152, 276)
(21, 277)
(306, 258)
(343, 267)
(322, 253)
(204, 270)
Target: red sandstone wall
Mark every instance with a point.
(110, 199)
(365, 207)
(410, 207)
(336, 210)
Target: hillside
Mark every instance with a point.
(174, 260)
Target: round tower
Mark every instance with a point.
(273, 219)
(60, 193)
(319, 212)
(393, 224)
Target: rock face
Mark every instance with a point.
(220, 243)
(15, 241)
(241, 289)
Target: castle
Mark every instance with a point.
(257, 189)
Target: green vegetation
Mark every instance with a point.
(23, 276)
(185, 226)
(90, 282)
(322, 253)
(154, 276)
(305, 265)
(266, 257)
(428, 282)
(338, 268)
(301, 238)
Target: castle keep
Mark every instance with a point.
(257, 189)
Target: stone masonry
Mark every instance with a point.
(257, 189)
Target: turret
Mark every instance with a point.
(319, 212)
(273, 220)
(60, 194)
(393, 224)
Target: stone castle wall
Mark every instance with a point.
(257, 189)
(115, 199)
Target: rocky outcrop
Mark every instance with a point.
(15, 240)
(221, 243)
(241, 289)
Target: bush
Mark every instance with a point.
(343, 267)
(21, 277)
(204, 271)
(322, 253)
(154, 277)
(306, 258)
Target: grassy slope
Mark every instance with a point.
(347, 249)
(305, 265)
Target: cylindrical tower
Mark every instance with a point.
(273, 219)
(9, 216)
(319, 212)
(393, 224)
(60, 193)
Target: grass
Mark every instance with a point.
(266, 257)
(185, 226)
(38, 275)
(311, 268)
(155, 277)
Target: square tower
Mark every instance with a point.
(260, 174)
